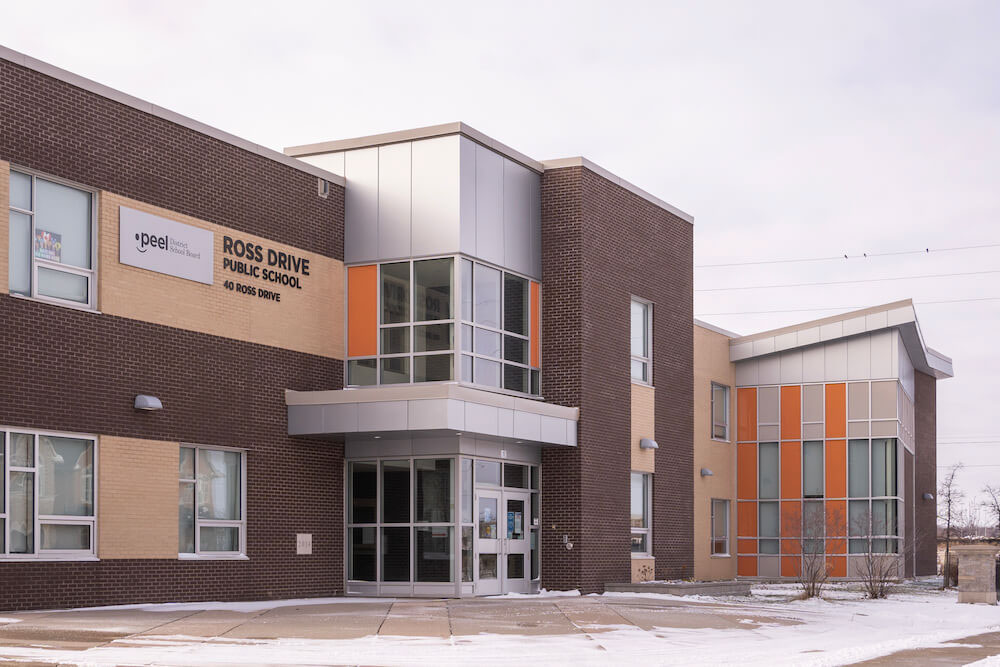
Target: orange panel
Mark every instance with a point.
(836, 517)
(746, 471)
(836, 566)
(836, 546)
(746, 414)
(836, 411)
(746, 566)
(362, 311)
(791, 412)
(746, 546)
(836, 468)
(746, 519)
(536, 325)
(791, 520)
(791, 470)
(791, 566)
(791, 546)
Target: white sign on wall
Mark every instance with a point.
(157, 244)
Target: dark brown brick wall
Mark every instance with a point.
(909, 516)
(925, 473)
(65, 131)
(601, 245)
(77, 371)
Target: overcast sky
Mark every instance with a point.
(788, 129)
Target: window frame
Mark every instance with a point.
(90, 274)
(647, 360)
(727, 392)
(648, 508)
(241, 523)
(726, 522)
(47, 519)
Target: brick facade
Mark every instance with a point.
(601, 245)
(925, 473)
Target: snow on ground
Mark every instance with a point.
(772, 628)
(534, 596)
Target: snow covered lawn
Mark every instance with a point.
(769, 628)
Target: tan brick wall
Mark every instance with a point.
(711, 364)
(4, 224)
(643, 426)
(306, 320)
(137, 498)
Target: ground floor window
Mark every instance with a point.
(46, 495)
(720, 527)
(640, 520)
(211, 507)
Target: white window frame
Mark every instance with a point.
(647, 360)
(240, 523)
(39, 519)
(648, 503)
(726, 522)
(725, 425)
(90, 274)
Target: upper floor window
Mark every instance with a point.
(48, 508)
(720, 411)
(641, 340)
(51, 240)
(720, 527)
(211, 519)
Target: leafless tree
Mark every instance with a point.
(814, 568)
(992, 505)
(949, 503)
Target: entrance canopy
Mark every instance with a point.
(430, 410)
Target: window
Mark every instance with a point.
(812, 469)
(720, 527)
(211, 517)
(49, 509)
(768, 527)
(767, 470)
(720, 412)
(51, 240)
(883, 467)
(641, 340)
(857, 468)
(640, 513)
(495, 329)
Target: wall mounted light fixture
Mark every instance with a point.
(928, 496)
(705, 472)
(648, 443)
(147, 403)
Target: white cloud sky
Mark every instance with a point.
(788, 129)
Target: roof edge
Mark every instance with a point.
(115, 95)
(711, 327)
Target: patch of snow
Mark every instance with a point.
(240, 607)
(10, 620)
(575, 593)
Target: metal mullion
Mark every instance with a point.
(35, 485)
(68, 268)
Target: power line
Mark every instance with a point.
(980, 465)
(850, 282)
(817, 310)
(864, 255)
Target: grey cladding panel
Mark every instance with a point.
(394, 201)
(361, 205)
(489, 206)
(436, 203)
(517, 217)
(467, 204)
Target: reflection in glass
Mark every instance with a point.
(433, 338)
(812, 469)
(22, 450)
(362, 560)
(466, 290)
(432, 290)
(638, 502)
(515, 304)
(396, 491)
(515, 378)
(395, 292)
(466, 368)
(488, 519)
(55, 537)
(20, 190)
(395, 340)
(767, 520)
(433, 367)
(185, 518)
(362, 372)
(395, 370)
(857, 468)
(65, 476)
(487, 296)
(219, 483)
(640, 328)
(19, 269)
(466, 490)
(434, 554)
(515, 349)
(219, 538)
(363, 484)
(435, 484)
(858, 517)
(22, 512)
(488, 472)
(515, 476)
(466, 553)
(768, 470)
(515, 566)
(185, 468)
(534, 554)
(395, 554)
(487, 372)
(884, 467)
(63, 285)
(63, 212)
(487, 343)
(487, 566)
(639, 543)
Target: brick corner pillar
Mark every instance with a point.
(925, 474)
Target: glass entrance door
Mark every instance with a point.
(503, 547)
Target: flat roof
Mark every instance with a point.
(472, 133)
(107, 92)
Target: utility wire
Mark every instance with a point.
(816, 310)
(864, 255)
(849, 282)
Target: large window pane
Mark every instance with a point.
(362, 558)
(515, 304)
(432, 290)
(639, 543)
(640, 491)
(720, 411)
(219, 538)
(467, 553)
(185, 518)
(466, 368)
(884, 467)
(362, 372)
(467, 491)
(488, 472)
(63, 285)
(812, 469)
(219, 488)
(487, 372)
(515, 349)
(767, 520)
(433, 338)
(768, 470)
(488, 343)
(884, 517)
(433, 368)
(65, 476)
(857, 464)
(56, 537)
(858, 518)
(185, 468)
(515, 476)
(487, 296)
(720, 526)
(395, 554)
(488, 519)
(22, 450)
(62, 224)
(435, 490)
(395, 340)
(640, 329)
(396, 491)
(395, 293)
(363, 493)
(395, 370)
(434, 554)
(19, 271)
(813, 519)
(21, 513)
(515, 378)
(466, 290)
(20, 190)
(639, 370)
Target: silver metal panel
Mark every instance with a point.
(517, 217)
(330, 161)
(305, 419)
(467, 198)
(536, 227)
(791, 367)
(859, 357)
(382, 416)
(813, 364)
(746, 373)
(553, 430)
(361, 205)
(489, 206)
(882, 366)
(505, 423)
(857, 429)
(427, 414)
(481, 419)
(436, 197)
(394, 201)
(527, 426)
(813, 432)
(432, 446)
(835, 355)
(769, 370)
(767, 433)
(571, 430)
(340, 418)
